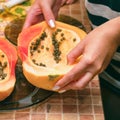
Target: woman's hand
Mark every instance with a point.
(68, 2)
(97, 50)
(44, 10)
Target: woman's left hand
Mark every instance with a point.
(96, 49)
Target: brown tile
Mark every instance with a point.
(41, 108)
(65, 7)
(95, 91)
(96, 100)
(95, 83)
(22, 116)
(54, 117)
(24, 110)
(69, 93)
(86, 117)
(75, 16)
(84, 99)
(7, 116)
(52, 108)
(85, 91)
(86, 109)
(69, 109)
(96, 78)
(55, 99)
(70, 116)
(88, 28)
(75, 7)
(98, 109)
(76, 11)
(65, 10)
(38, 117)
(70, 100)
(99, 117)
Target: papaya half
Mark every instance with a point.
(8, 59)
(43, 52)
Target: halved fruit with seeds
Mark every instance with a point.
(43, 51)
(8, 59)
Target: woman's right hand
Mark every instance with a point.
(44, 10)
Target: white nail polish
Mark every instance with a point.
(51, 23)
(61, 91)
(55, 88)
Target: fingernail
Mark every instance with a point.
(55, 88)
(51, 23)
(61, 91)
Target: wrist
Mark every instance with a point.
(112, 29)
(115, 26)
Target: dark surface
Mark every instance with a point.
(13, 29)
(111, 101)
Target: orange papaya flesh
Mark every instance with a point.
(8, 59)
(43, 51)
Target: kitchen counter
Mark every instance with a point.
(71, 105)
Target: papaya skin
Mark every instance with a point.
(7, 85)
(46, 77)
(40, 81)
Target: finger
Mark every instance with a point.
(67, 2)
(48, 14)
(63, 2)
(70, 1)
(74, 74)
(78, 84)
(56, 7)
(34, 16)
(75, 53)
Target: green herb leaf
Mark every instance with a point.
(52, 77)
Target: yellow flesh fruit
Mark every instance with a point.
(64, 40)
(4, 66)
(46, 62)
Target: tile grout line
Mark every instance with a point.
(93, 112)
(82, 12)
(70, 10)
(30, 114)
(14, 115)
(62, 116)
(46, 113)
(77, 103)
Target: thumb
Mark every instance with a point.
(75, 53)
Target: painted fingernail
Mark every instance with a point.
(61, 91)
(51, 23)
(55, 88)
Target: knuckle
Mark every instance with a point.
(98, 67)
(78, 87)
(89, 61)
(92, 62)
(71, 56)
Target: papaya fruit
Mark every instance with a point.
(8, 59)
(43, 52)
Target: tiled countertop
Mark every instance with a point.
(71, 105)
